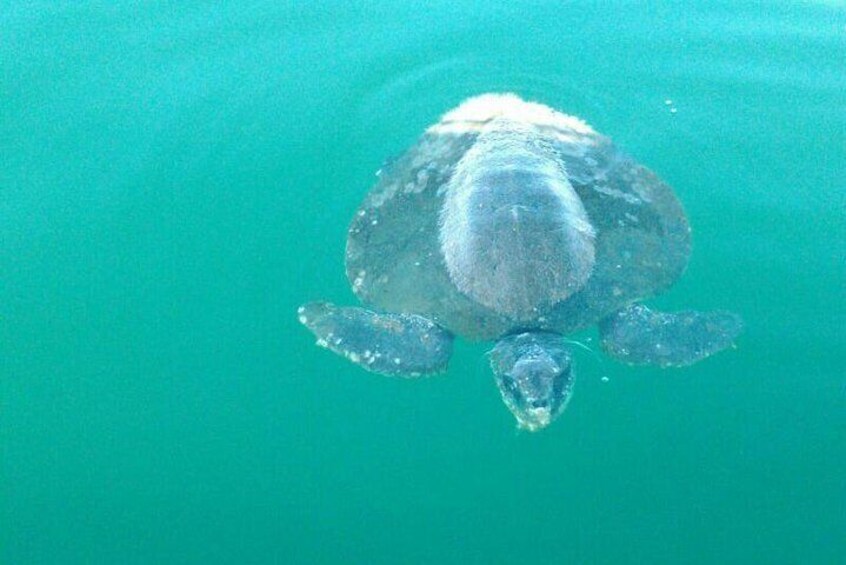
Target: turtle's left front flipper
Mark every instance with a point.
(402, 345)
(639, 336)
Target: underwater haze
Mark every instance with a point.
(177, 178)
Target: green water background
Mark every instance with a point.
(176, 178)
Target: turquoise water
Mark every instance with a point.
(176, 179)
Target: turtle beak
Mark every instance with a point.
(534, 419)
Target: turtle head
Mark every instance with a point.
(534, 373)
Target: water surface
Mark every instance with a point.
(176, 180)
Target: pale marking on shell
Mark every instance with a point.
(630, 198)
(358, 282)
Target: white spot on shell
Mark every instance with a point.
(397, 360)
(321, 343)
(354, 357)
(421, 184)
(358, 281)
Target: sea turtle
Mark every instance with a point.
(510, 221)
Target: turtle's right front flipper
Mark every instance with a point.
(640, 336)
(403, 345)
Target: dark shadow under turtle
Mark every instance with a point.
(512, 222)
